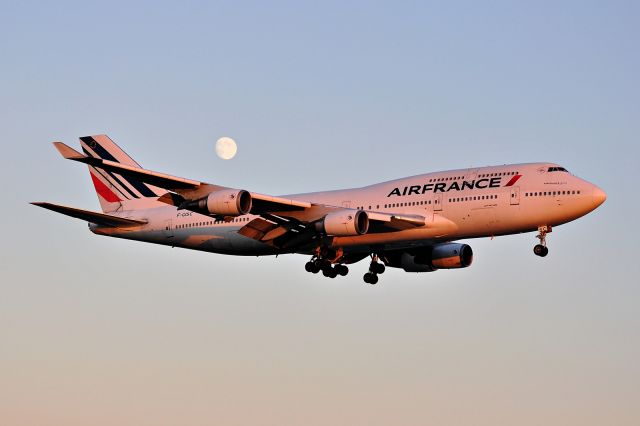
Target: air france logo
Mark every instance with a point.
(494, 182)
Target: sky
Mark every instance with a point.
(318, 96)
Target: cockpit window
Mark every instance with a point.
(558, 169)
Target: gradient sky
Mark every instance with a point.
(318, 96)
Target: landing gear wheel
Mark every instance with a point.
(342, 270)
(377, 268)
(311, 267)
(370, 278)
(540, 250)
(329, 272)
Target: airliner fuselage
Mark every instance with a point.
(457, 204)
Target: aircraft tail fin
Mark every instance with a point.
(115, 192)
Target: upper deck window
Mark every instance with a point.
(557, 169)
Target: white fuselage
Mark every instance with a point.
(457, 204)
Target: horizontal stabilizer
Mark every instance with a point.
(161, 180)
(93, 217)
(67, 152)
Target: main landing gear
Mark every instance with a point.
(375, 268)
(317, 264)
(541, 249)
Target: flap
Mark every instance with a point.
(389, 222)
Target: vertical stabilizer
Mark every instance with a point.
(116, 192)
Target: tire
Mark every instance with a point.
(370, 278)
(377, 268)
(545, 252)
(309, 267)
(540, 250)
(342, 270)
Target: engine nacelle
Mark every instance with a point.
(344, 223)
(440, 256)
(226, 202)
(450, 256)
(407, 261)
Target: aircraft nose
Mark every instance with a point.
(598, 196)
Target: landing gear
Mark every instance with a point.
(317, 264)
(311, 267)
(329, 272)
(370, 278)
(375, 268)
(541, 249)
(331, 265)
(342, 270)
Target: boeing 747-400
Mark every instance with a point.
(411, 223)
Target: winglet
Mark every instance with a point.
(68, 152)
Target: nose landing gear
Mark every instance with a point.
(541, 249)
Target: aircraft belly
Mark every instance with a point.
(479, 221)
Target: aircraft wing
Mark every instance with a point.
(287, 232)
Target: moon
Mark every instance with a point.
(226, 148)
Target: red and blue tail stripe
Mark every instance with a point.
(129, 188)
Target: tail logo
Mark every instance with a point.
(103, 190)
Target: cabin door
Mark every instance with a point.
(514, 198)
(437, 202)
(168, 228)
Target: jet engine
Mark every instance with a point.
(226, 202)
(344, 223)
(440, 256)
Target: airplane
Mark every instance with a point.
(412, 223)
